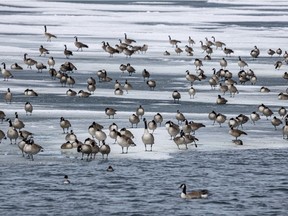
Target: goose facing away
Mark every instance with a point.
(193, 194)
(8, 96)
(28, 108)
(176, 96)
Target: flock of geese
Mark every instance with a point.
(182, 132)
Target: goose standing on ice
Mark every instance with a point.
(134, 119)
(2, 136)
(140, 111)
(48, 35)
(176, 96)
(43, 51)
(31, 148)
(51, 62)
(12, 133)
(173, 42)
(158, 118)
(147, 137)
(67, 52)
(8, 96)
(17, 123)
(105, 149)
(65, 124)
(29, 62)
(110, 112)
(79, 44)
(6, 73)
(124, 141)
(28, 108)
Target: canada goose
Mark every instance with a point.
(31, 148)
(212, 116)
(176, 96)
(190, 41)
(236, 132)
(282, 112)
(127, 52)
(71, 92)
(178, 50)
(209, 51)
(85, 149)
(233, 122)
(198, 63)
(6, 73)
(271, 52)
(278, 64)
(191, 92)
(179, 116)
(134, 120)
(267, 112)
(180, 140)
(233, 90)
(117, 85)
(65, 124)
(173, 42)
(123, 68)
(48, 35)
(145, 74)
(223, 63)
(94, 147)
(67, 52)
(118, 91)
(191, 77)
(24, 134)
(144, 48)
(285, 130)
(43, 50)
(276, 122)
(128, 40)
(213, 82)
(172, 129)
(113, 126)
(100, 135)
(79, 44)
(193, 194)
(254, 116)
(188, 49)
(66, 145)
(166, 53)
(40, 66)
(151, 84)
(130, 69)
(21, 145)
(111, 50)
(66, 180)
(51, 62)
(83, 94)
(228, 51)
(241, 63)
(237, 142)
(158, 118)
(12, 133)
(196, 126)
(2, 115)
(218, 44)
(71, 137)
(110, 112)
(110, 169)
(2, 135)
(186, 127)
(124, 141)
(8, 96)
(127, 86)
(242, 119)
(203, 46)
(93, 127)
(147, 137)
(104, 149)
(127, 133)
(17, 123)
(220, 119)
(152, 125)
(30, 92)
(68, 67)
(91, 88)
(189, 139)
(221, 100)
(15, 66)
(28, 108)
(283, 96)
(264, 89)
(29, 62)
(53, 73)
(140, 111)
(255, 52)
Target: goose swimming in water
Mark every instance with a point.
(66, 180)
(193, 194)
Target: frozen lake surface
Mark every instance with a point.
(250, 179)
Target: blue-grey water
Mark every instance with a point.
(248, 182)
(240, 182)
